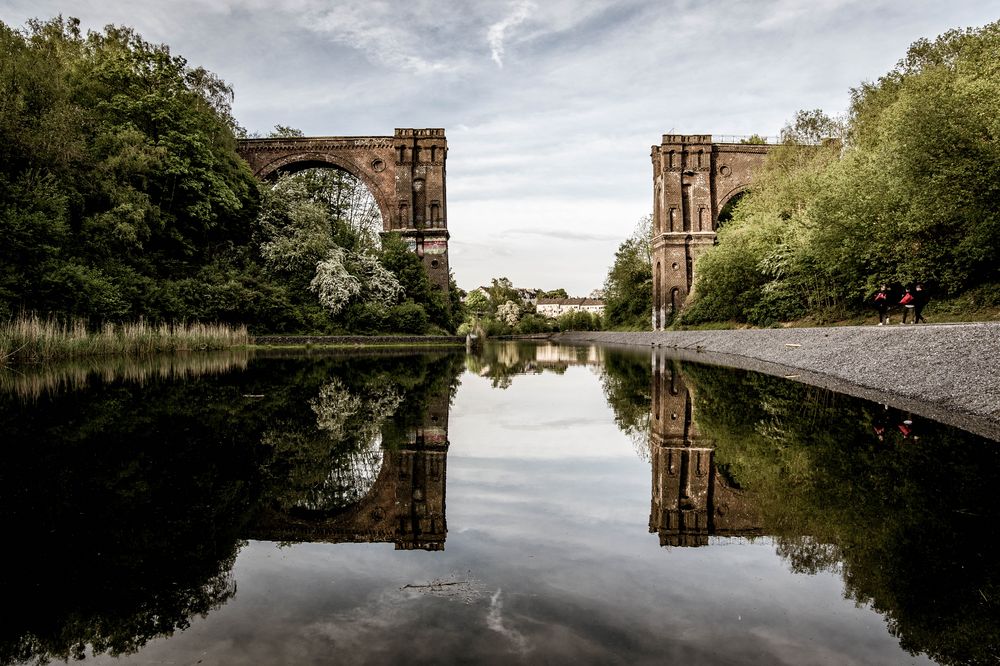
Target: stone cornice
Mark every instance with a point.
(317, 143)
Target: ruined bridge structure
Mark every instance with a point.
(693, 180)
(405, 174)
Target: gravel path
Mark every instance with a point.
(947, 372)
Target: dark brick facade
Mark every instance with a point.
(693, 179)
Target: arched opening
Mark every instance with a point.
(726, 213)
(348, 201)
(658, 299)
(319, 162)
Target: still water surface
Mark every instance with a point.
(533, 504)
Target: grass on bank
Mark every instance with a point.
(953, 311)
(32, 339)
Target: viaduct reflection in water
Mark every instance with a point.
(404, 502)
(691, 499)
(404, 505)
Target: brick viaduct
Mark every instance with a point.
(693, 179)
(405, 174)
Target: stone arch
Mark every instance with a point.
(405, 174)
(405, 505)
(730, 197)
(309, 160)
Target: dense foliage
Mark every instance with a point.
(122, 196)
(906, 190)
(120, 190)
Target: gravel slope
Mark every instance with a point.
(947, 372)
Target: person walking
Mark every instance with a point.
(882, 304)
(907, 301)
(920, 298)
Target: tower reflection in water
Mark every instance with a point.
(691, 498)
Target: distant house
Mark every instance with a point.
(481, 290)
(553, 307)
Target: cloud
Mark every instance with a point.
(377, 30)
(518, 14)
(565, 235)
(495, 621)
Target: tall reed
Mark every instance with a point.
(31, 382)
(32, 339)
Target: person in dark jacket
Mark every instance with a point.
(920, 298)
(881, 300)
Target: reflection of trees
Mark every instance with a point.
(627, 387)
(502, 361)
(900, 518)
(125, 505)
(31, 383)
(899, 512)
(336, 458)
(123, 508)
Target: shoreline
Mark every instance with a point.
(945, 372)
(301, 341)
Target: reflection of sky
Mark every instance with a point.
(548, 509)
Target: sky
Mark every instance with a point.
(550, 106)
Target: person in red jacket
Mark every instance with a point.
(907, 301)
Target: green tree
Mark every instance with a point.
(118, 173)
(628, 287)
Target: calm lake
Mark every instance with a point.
(530, 504)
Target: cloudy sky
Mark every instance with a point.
(550, 106)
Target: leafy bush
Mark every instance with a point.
(579, 321)
(409, 317)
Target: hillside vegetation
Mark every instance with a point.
(906, 189)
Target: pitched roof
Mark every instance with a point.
(570, 301)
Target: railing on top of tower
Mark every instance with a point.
(746, 139)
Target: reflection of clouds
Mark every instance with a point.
(495, 621)
(352, 631)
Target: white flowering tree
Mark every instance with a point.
(333, 283)
(509, 313)
(299, 235)
(344, 275)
